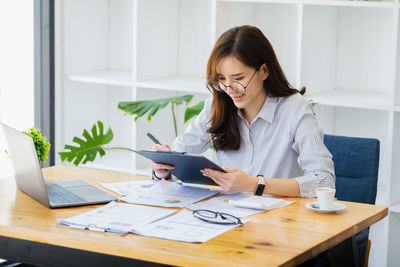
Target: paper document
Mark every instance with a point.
(261, 202)
(123, 218)
(126, 188)
(169, 194)
(116, 217)
(221, 204)
(184, 227)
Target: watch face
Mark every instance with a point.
(260, 189)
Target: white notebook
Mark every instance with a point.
(260, 202)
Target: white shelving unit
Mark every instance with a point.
(352, 99)
(189, 84)
(347, 54)
(395, 208)
(107, 77)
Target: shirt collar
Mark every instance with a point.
(267, 111)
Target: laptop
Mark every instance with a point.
(29, 177)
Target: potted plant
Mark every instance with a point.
(41, 144)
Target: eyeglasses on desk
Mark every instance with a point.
(216, 217)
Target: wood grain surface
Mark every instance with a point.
(285, 236)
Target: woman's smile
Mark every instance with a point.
(237, 98)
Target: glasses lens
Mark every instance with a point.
(237, 87)
(228, 217)
(215, 85)
(221, 87)
(206, 213)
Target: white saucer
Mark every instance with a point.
(336, 206)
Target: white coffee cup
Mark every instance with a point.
(325, 196)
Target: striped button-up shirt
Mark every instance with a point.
(283, 141)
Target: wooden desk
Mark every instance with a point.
(285, 236)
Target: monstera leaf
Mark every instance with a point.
(193, 111)
(140, 108)
(88, 149)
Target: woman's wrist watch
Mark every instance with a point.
(260, 186)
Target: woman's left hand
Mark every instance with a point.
(234, 180)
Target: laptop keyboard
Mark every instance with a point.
(60, 195)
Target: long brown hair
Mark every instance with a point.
(249, 45)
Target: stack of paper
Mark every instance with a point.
(123, 218)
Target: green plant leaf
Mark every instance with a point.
(88, 149)
(193, 111)
(151, 107)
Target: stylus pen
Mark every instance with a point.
(155, 140)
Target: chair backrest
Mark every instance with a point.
(356, 163)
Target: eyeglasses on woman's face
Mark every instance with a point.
(235, 85)
(216, 217)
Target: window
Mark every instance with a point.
(16, 70)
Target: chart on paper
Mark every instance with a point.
(169, 194)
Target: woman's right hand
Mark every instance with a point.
(161, 170)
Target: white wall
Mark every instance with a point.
(16, 69)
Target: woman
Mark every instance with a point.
(257, 124)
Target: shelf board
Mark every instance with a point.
(264, 1)
(189, 84)
(109, 77)
(395, 208)
(386, 4)
(396, 108)
(352, 99)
